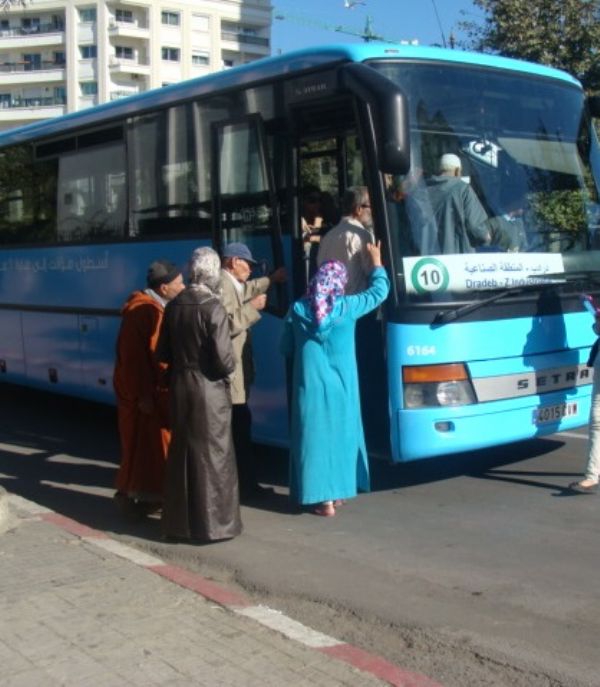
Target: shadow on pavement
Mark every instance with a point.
(63, 453)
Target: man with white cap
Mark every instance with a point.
(243, 299)
(462, 222)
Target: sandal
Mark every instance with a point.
(582, 488)
(326, 509)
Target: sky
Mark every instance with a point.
(311, 22)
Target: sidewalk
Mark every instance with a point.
(83, 610)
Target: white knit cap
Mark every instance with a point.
(449, 162)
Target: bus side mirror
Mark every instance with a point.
(593, 102)
(390, 114)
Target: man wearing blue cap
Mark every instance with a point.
(243, 299)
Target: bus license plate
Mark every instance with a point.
(545, 414)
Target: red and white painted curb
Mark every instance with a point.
(233, 601)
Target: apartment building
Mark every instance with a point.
(61, 56)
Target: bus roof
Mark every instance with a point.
(265, 69)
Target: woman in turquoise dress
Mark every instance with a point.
(328, 458)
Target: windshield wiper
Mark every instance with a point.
(584, 276)
(447, 316)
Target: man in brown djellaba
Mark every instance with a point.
(201, 491)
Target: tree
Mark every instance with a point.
(7, 4)
(559, 33)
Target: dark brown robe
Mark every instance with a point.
(201, 492)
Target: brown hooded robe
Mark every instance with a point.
(144, 436)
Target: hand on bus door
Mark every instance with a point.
(374, 251)
(259, 302)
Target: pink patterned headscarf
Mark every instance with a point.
(328, 283)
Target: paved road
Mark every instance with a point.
(479, 569)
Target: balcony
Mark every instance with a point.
(35, 36)
(117, 95)
(27, 73)
(245, 42)
(31, 109)
(123, 65)
(126, 29)
(18, 101)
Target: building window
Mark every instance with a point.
(170, 54)
(30, 24)
(59, 58)
(32, 62)
(89, 87)
(4, 24)
(170, 18)
(200, 58)
(200, 22)
(87, 14)
(124, 52)
(124, 16)
(88, 52)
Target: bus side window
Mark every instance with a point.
(88, 183)
(168, 165)
(246, 200)
(27, 197)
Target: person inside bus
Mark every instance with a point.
(141, 393)
(244, 299)
(347, 241)
(201, 489)
(508, 230)
(328, 458)
(312, 224)
(461, 220)
(312, 221)
(416, 225)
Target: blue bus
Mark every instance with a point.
(472, 349)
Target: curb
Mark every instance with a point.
(4, 513)
(230, 600)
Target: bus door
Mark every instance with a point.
(246, 211)
(329, 161)
(320, 167)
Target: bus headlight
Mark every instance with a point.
(455, 393)
(427, 386)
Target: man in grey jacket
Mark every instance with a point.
(244, 299)
(461, 220)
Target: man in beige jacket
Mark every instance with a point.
(347, 241)
(243, 299)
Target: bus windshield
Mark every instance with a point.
(504, 180)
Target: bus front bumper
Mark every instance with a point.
(429, 432)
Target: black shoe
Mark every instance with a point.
(126, 506)
(148, 507)
(256, 493)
